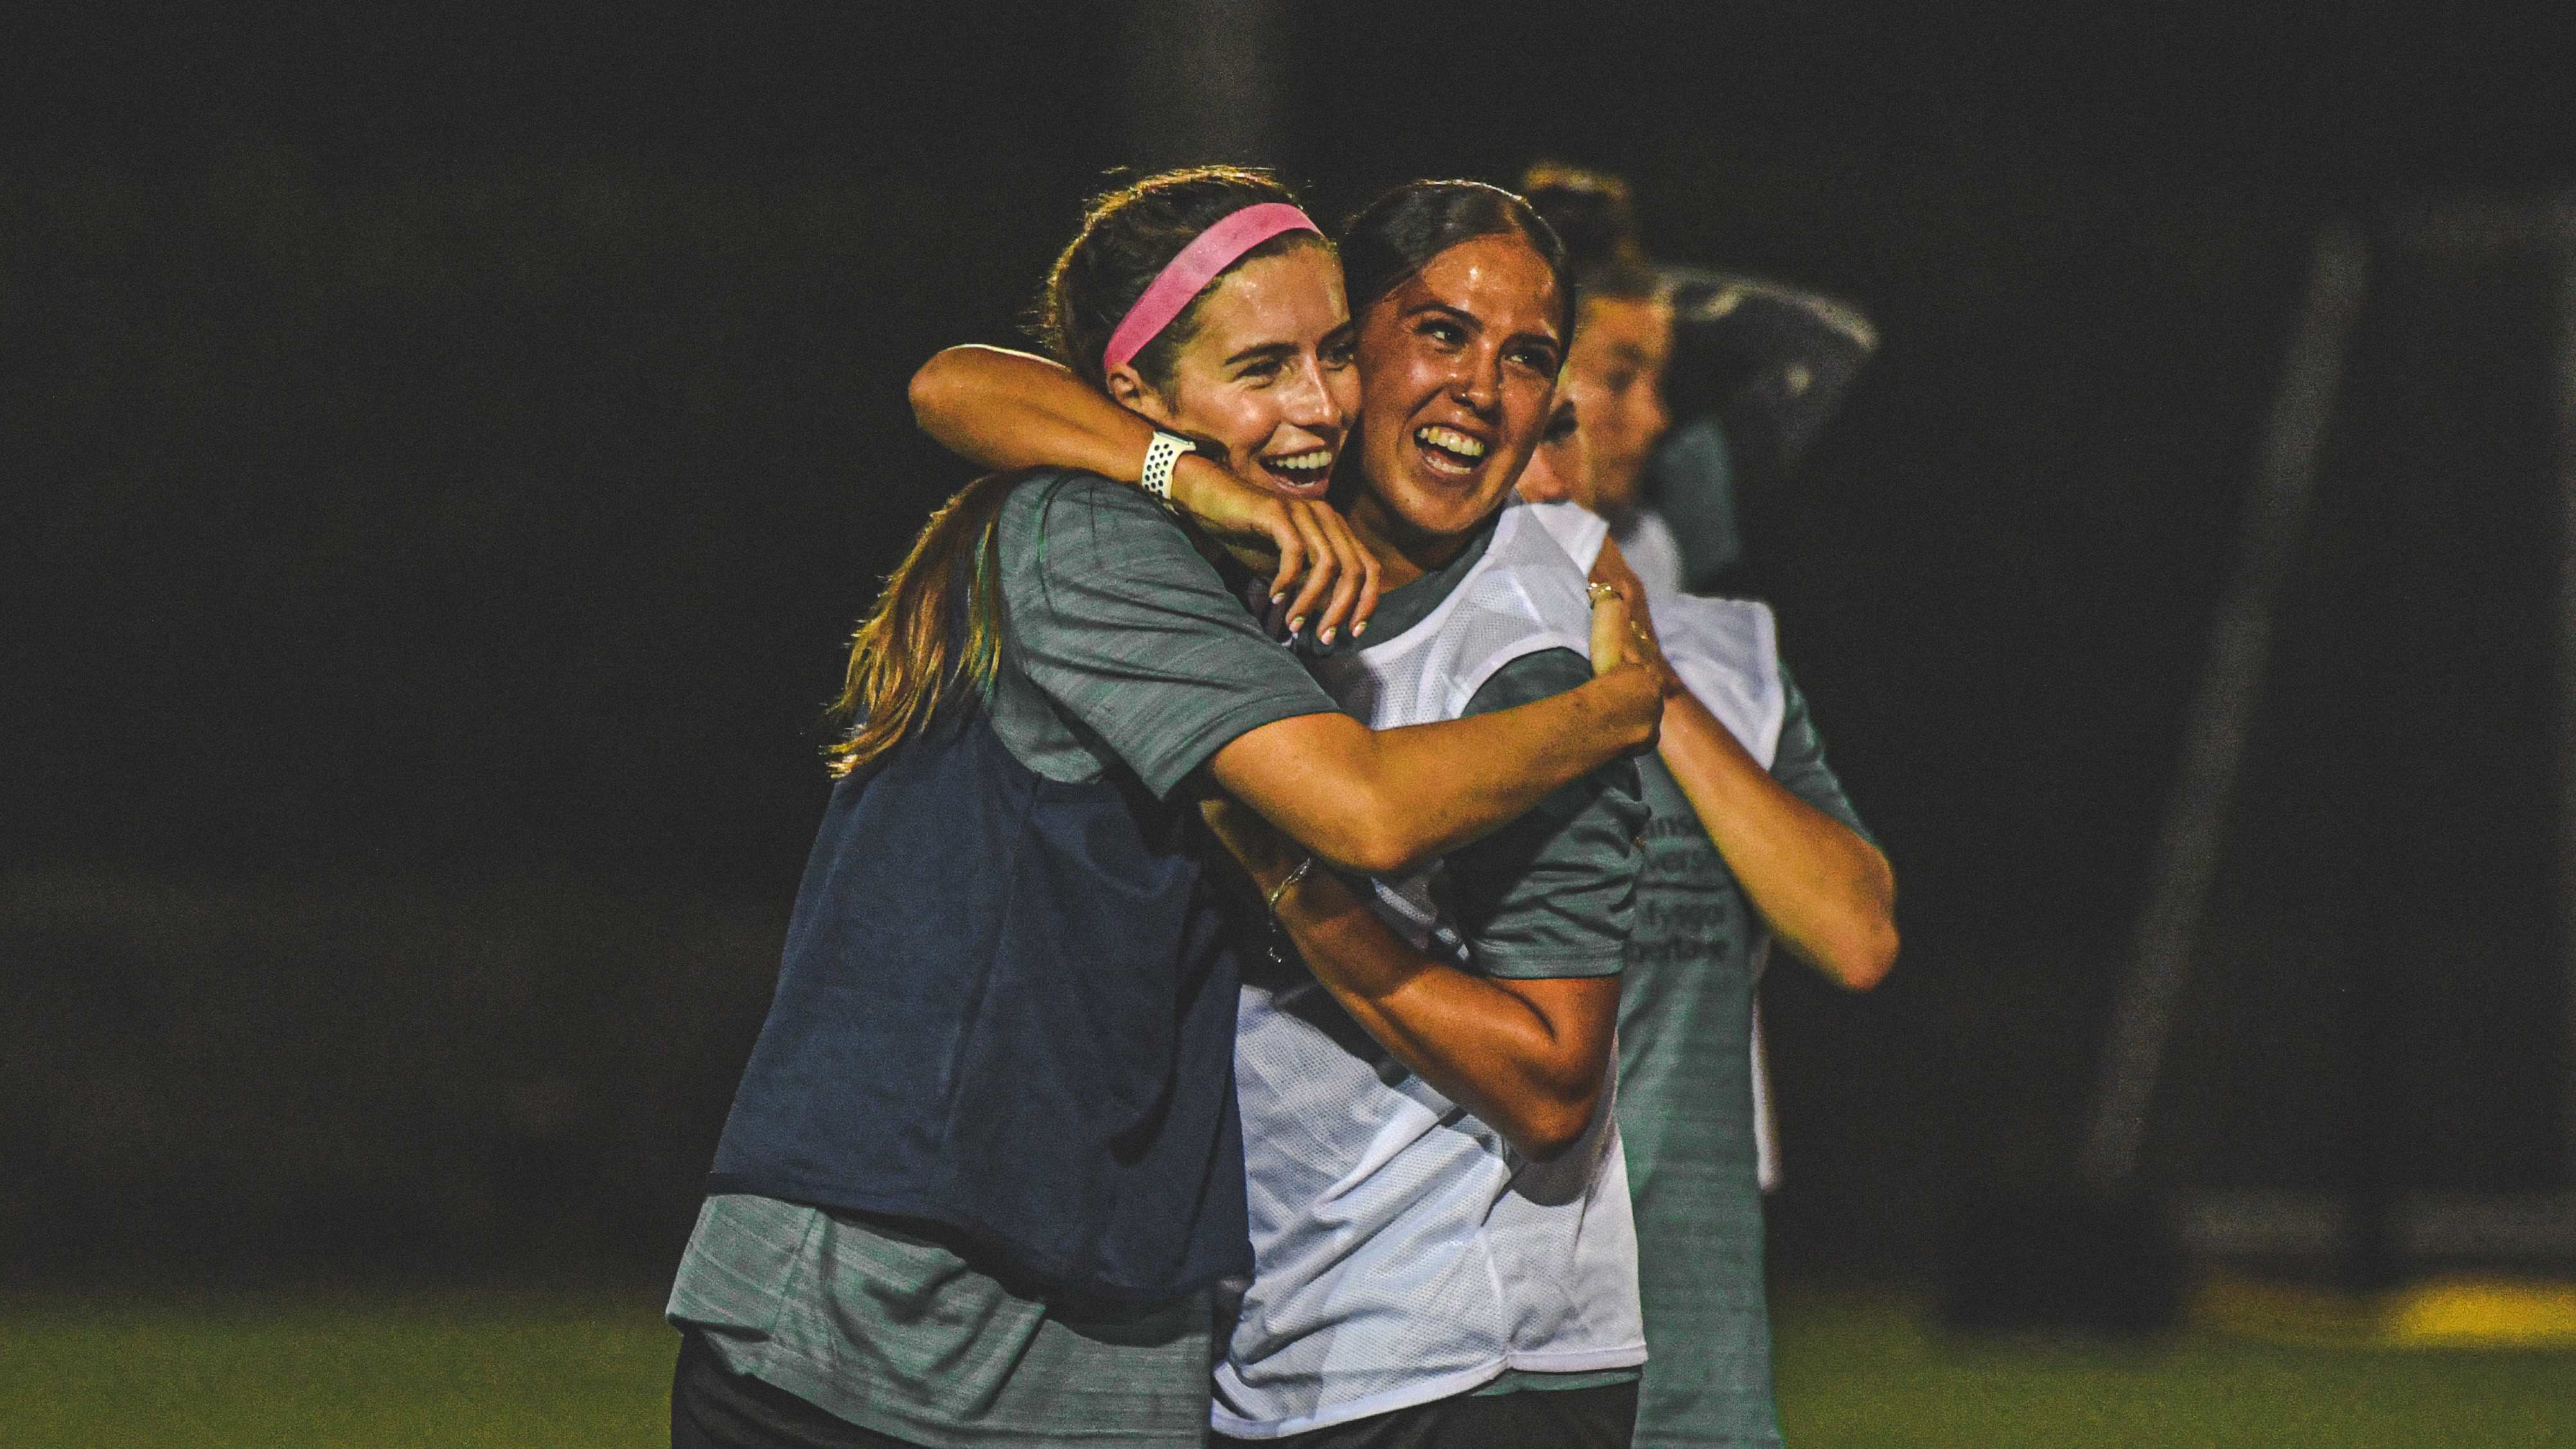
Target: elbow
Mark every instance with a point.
(1555, 1111)
(1864, 959)
(1861, 948)
(1382, 839)
(933, 391)
(1546, 1131)
(1367, 808)
(1390, 854)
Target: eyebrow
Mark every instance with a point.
(1471, 320)
(1259, 350)
(1262, 350)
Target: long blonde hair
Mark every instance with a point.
(908, 660)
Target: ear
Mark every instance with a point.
(1129, 388)
(1131, 391)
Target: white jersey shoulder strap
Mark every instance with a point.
(1577, 529)
(1522, 597)
(1728, 652)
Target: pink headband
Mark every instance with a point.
(1214, 250)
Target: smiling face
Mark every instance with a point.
(1459, 367)
(1266, 372)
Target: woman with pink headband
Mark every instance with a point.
(1768, 801)
(985, 1162)
(1442, 1241)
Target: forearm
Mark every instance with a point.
(1383, 801)
(1006, 409)
(1534, 1076)
(1826, 893)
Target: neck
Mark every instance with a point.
(1618, 515)
(1403, 552)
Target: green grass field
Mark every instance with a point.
(1856, 1372)
(333, 1371)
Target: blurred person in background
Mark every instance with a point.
(1748, 372)
(985, 1162)
(1751, 839)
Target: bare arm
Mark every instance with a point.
(1382, 801)
(1006, 409)
(1528, 1057)
(1829, 895)
(1826, 893)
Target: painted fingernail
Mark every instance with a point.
(1359, 628)
(1327, 635)
(1280, 597)
(1297, 625)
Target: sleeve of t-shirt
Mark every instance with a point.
(1115, 616)
(1800, 763)
(1554, 893)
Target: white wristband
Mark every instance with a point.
(1160, 455)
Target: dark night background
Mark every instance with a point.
(444, 448)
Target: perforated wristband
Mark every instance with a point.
(1160, 455)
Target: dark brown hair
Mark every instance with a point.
(1590, 210)
(1397, 235)
(1128, 236)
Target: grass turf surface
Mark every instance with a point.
(345, 1371)
(1855, 1371)
(334, 1371)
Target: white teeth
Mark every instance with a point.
(1302, 462)
(1452, 440)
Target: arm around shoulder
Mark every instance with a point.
(1005, 409)
(1381, 802)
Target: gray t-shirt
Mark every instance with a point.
(1120, 645)
(1553, 893)
(1121, 649)
(1686, 1114)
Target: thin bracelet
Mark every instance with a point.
(1294, 876)
(1160, 455)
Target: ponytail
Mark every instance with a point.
(907, 659)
